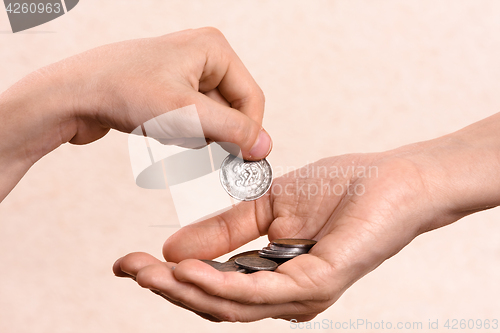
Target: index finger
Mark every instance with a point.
(225, 70)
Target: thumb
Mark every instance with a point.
(221, 123)
(220, 234)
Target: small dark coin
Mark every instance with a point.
(213, 263)
(294, 242)
(224, 266)
(253, 253)
(230, 266)
(256, 264)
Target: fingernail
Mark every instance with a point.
(262, 146)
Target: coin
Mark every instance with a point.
(266, 252)
(245, 180)
(213, 263)
(293, 252)
(256, 264)
(294, 242)
(253, 253)
(298, 250)
(277, 252)
(230, 266)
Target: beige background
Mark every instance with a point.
(339, 77)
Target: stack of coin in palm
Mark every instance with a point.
(267, 259)
(286, 248)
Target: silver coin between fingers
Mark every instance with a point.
(245, 180)
(256, 264)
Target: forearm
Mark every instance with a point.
(34, 120)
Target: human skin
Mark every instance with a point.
(415, 189)
(123, 85)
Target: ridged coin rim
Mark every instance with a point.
(252, 198)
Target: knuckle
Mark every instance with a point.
(317, 307)
(228, 315)
(253, 95)
(305, 311)
(305, 317)
(242, 133)
(210, 37)
(210, 31)
(259, 94)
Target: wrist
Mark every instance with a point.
(461, 171)
(34, 120)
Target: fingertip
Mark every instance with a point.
(166, 250)
(132, 263)
(262, 146)
(170, 249)
(117, 269)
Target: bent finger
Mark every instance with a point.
(160, 277)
